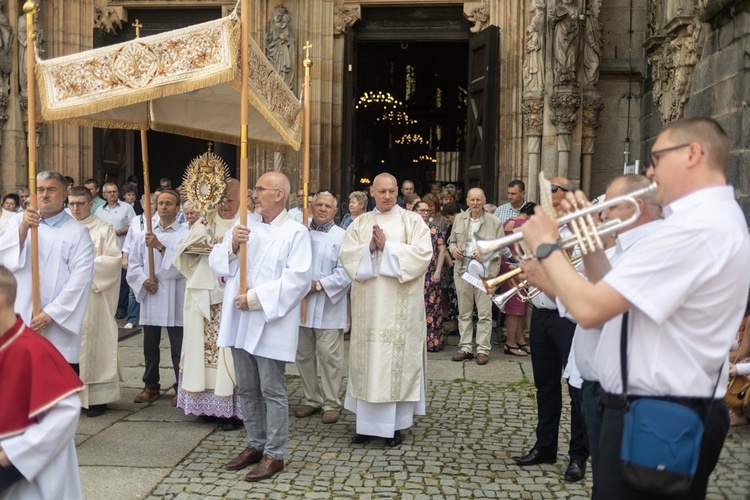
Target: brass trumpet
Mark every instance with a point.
(491, 284)
(585, 231)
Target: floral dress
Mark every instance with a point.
(433, 296)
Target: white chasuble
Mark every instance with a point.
(204, 365)
(388, 339)
(99, 366)
(66, 269)
(278, 274)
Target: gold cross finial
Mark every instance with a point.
(307, 48)
(137, 27)
(210, 143)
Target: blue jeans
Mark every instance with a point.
(261, 380)
(134, 308)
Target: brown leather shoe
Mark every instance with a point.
(482, 359)
(147, 395)
(246, 457)
(331, 416)
(174, 400)
(305, 411)
(267, 467)
(461, 356)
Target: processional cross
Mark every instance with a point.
(137, 27)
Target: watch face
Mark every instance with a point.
(543, 250)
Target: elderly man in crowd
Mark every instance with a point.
(161, 296)
(475, 222)
(66, 266)
(207, 387)
(386, 253)
(261, 325)
(321, 337)
(99, 367)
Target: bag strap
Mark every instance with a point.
(624, 365)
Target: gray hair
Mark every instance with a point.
(52, 175)
(360, 196)
(327, 193)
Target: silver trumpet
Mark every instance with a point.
(586, 231)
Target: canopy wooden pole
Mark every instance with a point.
(245, 21)
(147, 196)
(306, 152)
(30, 10)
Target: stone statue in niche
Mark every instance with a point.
(592, 47)
(6, 56)
(280, 47)
(533, 63)
(23, 73)
(564, 21)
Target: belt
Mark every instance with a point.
(620, 402)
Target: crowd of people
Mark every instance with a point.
(392, 273)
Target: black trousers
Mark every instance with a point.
(592, 411)
(550, 339)
(610, 485)
(152, 355)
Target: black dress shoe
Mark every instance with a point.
(534, 457)
(360, 438)
(395, 440)
(95, 410)
(576, 471)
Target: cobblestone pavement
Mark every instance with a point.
(477, 419)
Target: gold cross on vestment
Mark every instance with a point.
(137, 27)
(307, 48)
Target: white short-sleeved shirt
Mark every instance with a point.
(688, 283)
(118, 216)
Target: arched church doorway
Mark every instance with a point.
(408, 98)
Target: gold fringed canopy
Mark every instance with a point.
(184, 82)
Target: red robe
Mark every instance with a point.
(34, 378)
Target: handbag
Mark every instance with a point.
(738, 391)
(661, 440)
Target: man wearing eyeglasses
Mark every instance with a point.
(261, 325)
(99, 334)
(685, 287)
(550, 338)
(207, 386)
(66, 266)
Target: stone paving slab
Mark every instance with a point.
(119, 483)
(142, 444)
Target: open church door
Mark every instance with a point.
(481, 122)
(348, 167)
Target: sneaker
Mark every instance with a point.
(128, 326)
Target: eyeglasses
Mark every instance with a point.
(555, 187)
(655, 155)
(261, 189)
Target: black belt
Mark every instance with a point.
(618, 402)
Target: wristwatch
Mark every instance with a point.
(162, 249)
(545, 250)
(318, 286)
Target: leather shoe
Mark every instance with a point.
(395, 440)
(331, 416)
(360, 438)
(267, 467)
(482, 359)
(246, 457)
(576, 471)
(147, 395)
(305, 411)
(461, 356)
(534, 457)
(174, 400)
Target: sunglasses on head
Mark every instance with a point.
(555, 187)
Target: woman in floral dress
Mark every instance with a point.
(433, 295)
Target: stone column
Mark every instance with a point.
(564, 103)
(592, 106)
(533, 119)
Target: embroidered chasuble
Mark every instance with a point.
(204, 365)
(388, 339)
(99, 366)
